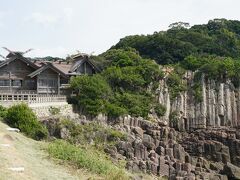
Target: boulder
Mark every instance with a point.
(138, 131)
(232, 171)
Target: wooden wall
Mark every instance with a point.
(48, 82)
(85, 68)
(17, 71)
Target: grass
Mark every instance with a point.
(30, 154)
(88, 158)
(101, 135)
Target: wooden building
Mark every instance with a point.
(21, 75)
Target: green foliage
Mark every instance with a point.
(93, 92)
(175, 82)
(3, 112)
(89, 159)
(99, 134)
(160, 110)
(214, 67)
(121, 57)
(100, 62)
(179, 25)
(136, 104)
(126, 77)
(122, 88)
(220, 37)
(22, 117)
(115, 111)
(192, 63)
(173, 118)
(54, 110)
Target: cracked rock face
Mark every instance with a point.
(220, 105)
(163, 151)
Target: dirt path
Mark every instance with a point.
(27, 153)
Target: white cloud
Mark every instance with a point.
(42, 18)
(68, 14)
(1, 19)
(49, 18)
(56, 51)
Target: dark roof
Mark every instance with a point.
(81, 60)
(25, 60)
(15, 53)
(47, 66)
(68, 67)
(63, 66)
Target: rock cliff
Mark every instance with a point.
(195, 139)
(219, 105)
(161, 150)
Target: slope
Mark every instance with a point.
(27, 153)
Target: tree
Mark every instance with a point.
(179, 25)
(22, 117)
(92, 93)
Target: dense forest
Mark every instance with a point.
(131, 72)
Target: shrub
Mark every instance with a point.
(197, 87)
(175, 85)
(122, 88)
(22, 117)
(136, 104)
(92, 93)
(160, 109)
(173, 119)
(54, 110)
(101, 135)
(89, 159)
(3, 112)
(115, 110)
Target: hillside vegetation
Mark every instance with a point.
(219, 37)
(130, 76)
(28, 153)
(75, 149)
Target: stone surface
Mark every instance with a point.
(233, 172)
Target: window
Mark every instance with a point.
(42, 82)
(17, 83)
(4, 82)
(48, 82)
(29, 82)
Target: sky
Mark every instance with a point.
(61, 27)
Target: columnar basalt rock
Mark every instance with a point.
(219, 106)
(163, 151)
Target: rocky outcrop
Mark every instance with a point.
(232, 171)
(161, 150)
(220, 105)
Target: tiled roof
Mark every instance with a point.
(65, 67)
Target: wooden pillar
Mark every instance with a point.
(10, 82)
(37, 84)
(58, 84)
(85, 68)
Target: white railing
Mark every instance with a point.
(16, 91)
(31, 98)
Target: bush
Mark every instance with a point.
(54, 110)
(122, 88)
(89, 159)
(173, 118)
(101, 135)
(115, 111)
(175, 84)
(136, 104)
(92, 93)
(22, 117)
(160, 109)
(3, 112)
